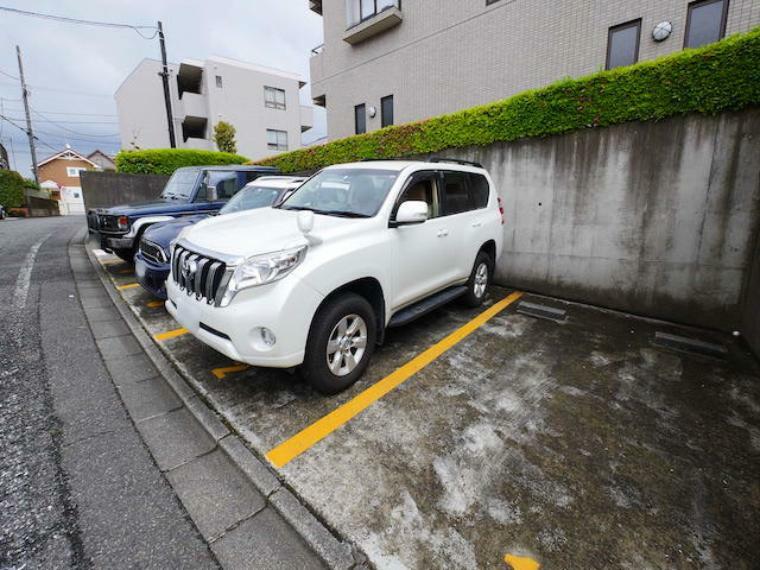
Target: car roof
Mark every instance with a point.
(400, 165)
(277, 181)
(235, 167)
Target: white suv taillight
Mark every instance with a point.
(501, 210)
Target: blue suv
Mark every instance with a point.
(152, 258)
(191, 190)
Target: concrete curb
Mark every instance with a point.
(336, 553)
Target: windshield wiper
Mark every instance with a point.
(298, 208)
(341, 213)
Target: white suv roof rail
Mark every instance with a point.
(455, 161)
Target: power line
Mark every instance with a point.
(68, 91)
(68, 20)
(60, 126)
(64, 137)
(71, 114)
(8, 75)
(38, 139)
(12, 123)
(73, 122)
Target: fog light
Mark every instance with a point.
(267, 336)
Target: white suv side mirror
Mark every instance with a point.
(411, 212)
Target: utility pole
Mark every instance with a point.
(29, 133)
(165, 76)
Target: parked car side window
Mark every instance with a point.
(251, 175)
(456, 196)
(422, 187)
(227, 184)
(479, 189)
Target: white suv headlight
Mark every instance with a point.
(266, 268)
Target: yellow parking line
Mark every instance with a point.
(222, 372)
(170, 334)
(124, 271)
(521, 562)
(305, 439)
(154, 304)
(127, 286)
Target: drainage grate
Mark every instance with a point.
(692, 345)
(541, 311)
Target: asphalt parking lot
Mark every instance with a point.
(576, 443)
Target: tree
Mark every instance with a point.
(11, 189)
(224, 137)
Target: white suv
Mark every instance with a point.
(357, 248)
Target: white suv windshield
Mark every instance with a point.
(348, 192)
(250, 198)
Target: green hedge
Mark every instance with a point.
(11, 189)
(167, 160)
(719, 77)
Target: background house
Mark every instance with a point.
(104, 161)
(59, 174)
(262, 104)
(387, 61)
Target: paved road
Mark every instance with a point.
(78, 488)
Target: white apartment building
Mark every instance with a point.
(261, 103)
(388, 62)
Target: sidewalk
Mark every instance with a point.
(146, 485)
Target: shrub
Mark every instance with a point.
(167, 160)
(11, 189)
(30, 183)
(720, 77)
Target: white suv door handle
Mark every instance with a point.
(443, 233)
(477, 224)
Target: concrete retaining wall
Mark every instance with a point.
(751, 307)
(104, 189)
(41, 207)
(657, 219)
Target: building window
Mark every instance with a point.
(219, 81)
(623, 44)
(360, 119)
(274, 98)
(73, 171)
(386, 111)
(359, 10)
(706, 22)
(277, 140)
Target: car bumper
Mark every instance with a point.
(285, 307)
(109, 242)
(152, 277)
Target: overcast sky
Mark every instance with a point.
(73, 70)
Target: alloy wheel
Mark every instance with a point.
(481, 280)
(346, 345)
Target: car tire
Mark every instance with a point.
(330, 363)
(480, 279)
